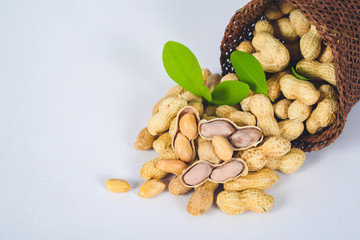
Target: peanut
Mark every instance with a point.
(323, 116)
(293, 88)
(188, 96)
(183, 148)
(241, 118)
(176, 187)
(206, 151)
(212, 81)
(327, 92)
(273, 12)
(160, 121)
(235, 203)
(317, 71)
(198, 106)
(216, 128)
(299, 22)
(284, 31)
(211, 110)
(202, 199)
(299, 111)
(310, 44)
(245, 104)
(261, 107)
(291, 129)
(205, 73)
(223, 148)
(245, 137)
(151, 188)
(326, 55)
(281, 108)
(226, 171)
(117, 185)
(273, 85)
(246, 46)
(188, 125)
(172, 92)
(224, 111)
(196, 174)
(229, 77)
(162, 142)
(144, 140)
(171, 166)
(149, 169)
(285, 6)
(271, 53)
(289, 163)
(263, 26)
(262, 180)
(256, 158)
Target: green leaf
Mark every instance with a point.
(298, 75)
(250, 71)
(182, 66)
(229, 93)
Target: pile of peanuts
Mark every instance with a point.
(238, 148)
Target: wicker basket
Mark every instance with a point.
(337, 22)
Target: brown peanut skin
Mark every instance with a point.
(263, 110)
(176, 188)
(144, 140)
(188, 125)
(310, 44)
(289, 163)
(235, 203)
(294, 88)
(202, 199)
(262, 180)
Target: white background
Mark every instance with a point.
(78, 80)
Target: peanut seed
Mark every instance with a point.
(197, 174)
(227, 171)
(171, 166)
(223, 148)
(188, 126)
(216, 128)
(151, 188)
(183, 148)
(117, 185)
(245, 137)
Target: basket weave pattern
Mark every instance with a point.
(338, 23)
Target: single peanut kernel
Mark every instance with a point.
(188, 125)
(183, 148)
(197, 174)
(227, 171)
(246, 137)
(216, 128)
(171, 166)
(223, 148)
(117, 185)
(151, 188)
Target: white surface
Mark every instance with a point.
(78, 81)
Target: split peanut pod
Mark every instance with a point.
(240, 138)
(185, 132)
(201, 171)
